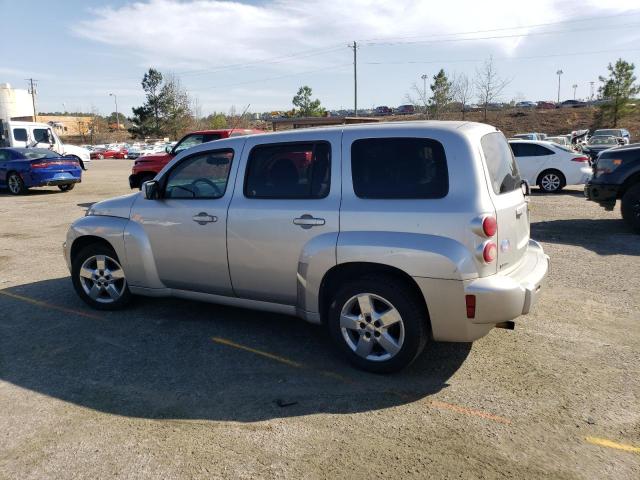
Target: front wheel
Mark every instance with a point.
(66, 188)
(99, 279)
(377, 324)
(16, 185)
(551, 181)
(631, 208)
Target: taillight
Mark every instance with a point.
(489, 251)
(582, 159)
(470, 301)
(489, 226)
(40, 165)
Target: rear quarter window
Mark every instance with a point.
(399, 168)
(502, 167)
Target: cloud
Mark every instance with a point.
(206, 33)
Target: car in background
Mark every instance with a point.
(382, 110)
(543, 105)
(134, 152)
(572, 104)
(616, 132)
(23, 168)
(559, 140)
(599, 143)
(528, 136)
(526, 104)
(405, 110)
(147, 166)
(616, 176)
(550, 166)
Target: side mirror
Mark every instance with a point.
(168, 149)
(151, 190)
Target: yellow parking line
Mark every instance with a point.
(51, 306)
(277, 358)
(603, 442)
(469, 411)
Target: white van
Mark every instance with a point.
(39, 135)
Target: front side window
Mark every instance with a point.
(503, 170)
(41, 135)
(288, 171)
(20, 134)
(399, 168)
(204, 175)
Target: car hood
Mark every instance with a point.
(82, 153)
(114, 207)
(154, 157)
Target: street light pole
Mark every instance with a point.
(115, 99)
(574, 86)
(559, 73)
(424, 90)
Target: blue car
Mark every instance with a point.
(21, 168)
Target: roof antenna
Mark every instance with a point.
(235, 125)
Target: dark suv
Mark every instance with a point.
(616, 175)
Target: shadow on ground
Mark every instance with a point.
(609, 236)
(33, 191)
(157, 360)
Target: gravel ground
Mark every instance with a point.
(170, 389)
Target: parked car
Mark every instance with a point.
(392, 235)
(23, 168)
(405, 110)
(382, 111)
(147, 166)
(526, 104)
(528, 136)
(572, 104)
(134, 152)
(597, 144)
(102, 153)
(559, 140)
(550, 166)
(616, 176)
(616, 132)
(546, 105)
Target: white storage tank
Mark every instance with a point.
(14, 102)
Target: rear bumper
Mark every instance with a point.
(605, 195)
(44, 179)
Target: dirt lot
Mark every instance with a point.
(177, 389)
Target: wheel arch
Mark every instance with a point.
(631, 181)
(563, 177)
(86, 240)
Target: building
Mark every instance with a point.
(14, 103)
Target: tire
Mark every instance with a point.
(631, 208)
(353, 329)
(551, 181)
(100, 157)
(67, 187)
(15, 184)
(97, 265)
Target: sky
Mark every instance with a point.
(257, 53)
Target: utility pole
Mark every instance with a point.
(591, 94)
(574, 86)
(32, 91)
(559, 73)
(424, 91)
(355, 76)
(115, 99)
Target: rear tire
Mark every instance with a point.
(99, 279)
(15, 184)
(631, 208)
(66, 188)
(551, 181)
(378, 324)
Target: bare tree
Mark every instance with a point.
(419, 98)
(488, 85)
(462, 91)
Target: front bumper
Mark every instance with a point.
(605, 195)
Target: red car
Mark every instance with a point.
(100, 153)
(146, 167)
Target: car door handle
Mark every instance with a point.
(203, 218)
(307, 221)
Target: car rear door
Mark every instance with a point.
(287, 195)
(506, 193)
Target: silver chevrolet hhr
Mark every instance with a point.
(390, 235)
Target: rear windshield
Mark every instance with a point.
(502, 167)
(36, 153)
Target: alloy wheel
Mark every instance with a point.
(551, 182)
(372, 327)
(14, 184)
(102, 279)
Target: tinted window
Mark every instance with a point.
(293, 170)
(20, 134)
(203, 175)
(529, 150)
(503, 171)
(40, 135)
(399, 168)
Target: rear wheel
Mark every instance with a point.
(15, 184)
(67, 187)
(99, 279)
(631, 207)
(551, 181)
(377, 324)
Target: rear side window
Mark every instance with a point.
(399, 168)
(530, 150)
(20, 134)
(288, 171)
(503, 171)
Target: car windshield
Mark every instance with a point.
(602, 141)
(615, 133)
(37, 153)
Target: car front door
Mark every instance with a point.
(288, 198)
(186, 226)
